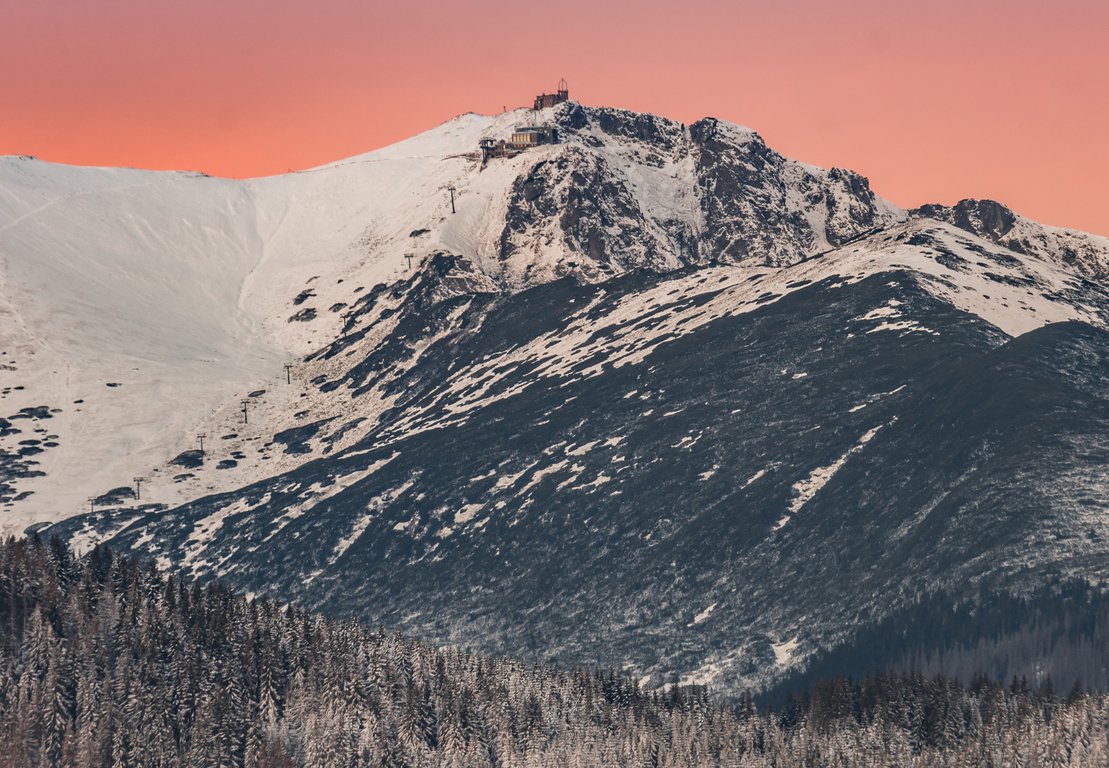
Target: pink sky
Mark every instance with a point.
(932, 101)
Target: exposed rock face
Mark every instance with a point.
(761, 206)
(632, 191)
(985, 218)
(578, 204)
(636, 191)
(663, 135)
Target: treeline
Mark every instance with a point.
(1056, 636)
(107, 663)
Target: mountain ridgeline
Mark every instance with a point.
(654, 398)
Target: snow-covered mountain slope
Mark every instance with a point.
(1088, 254)
(143, 307)
(665, 354)
(128, 290)
(122, 322)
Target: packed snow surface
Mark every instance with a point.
(142, 306)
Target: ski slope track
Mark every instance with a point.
(654, 396)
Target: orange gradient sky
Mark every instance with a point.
(933, 101)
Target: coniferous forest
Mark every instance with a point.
(106, 662)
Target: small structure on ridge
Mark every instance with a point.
(528, 136)
(523, 137)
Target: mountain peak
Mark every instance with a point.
(1086, 253)
(986, 218)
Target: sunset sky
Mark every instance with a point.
(933, 101)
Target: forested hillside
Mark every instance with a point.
(104, 662)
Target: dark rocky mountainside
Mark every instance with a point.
(655, 397)
(708, 508)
